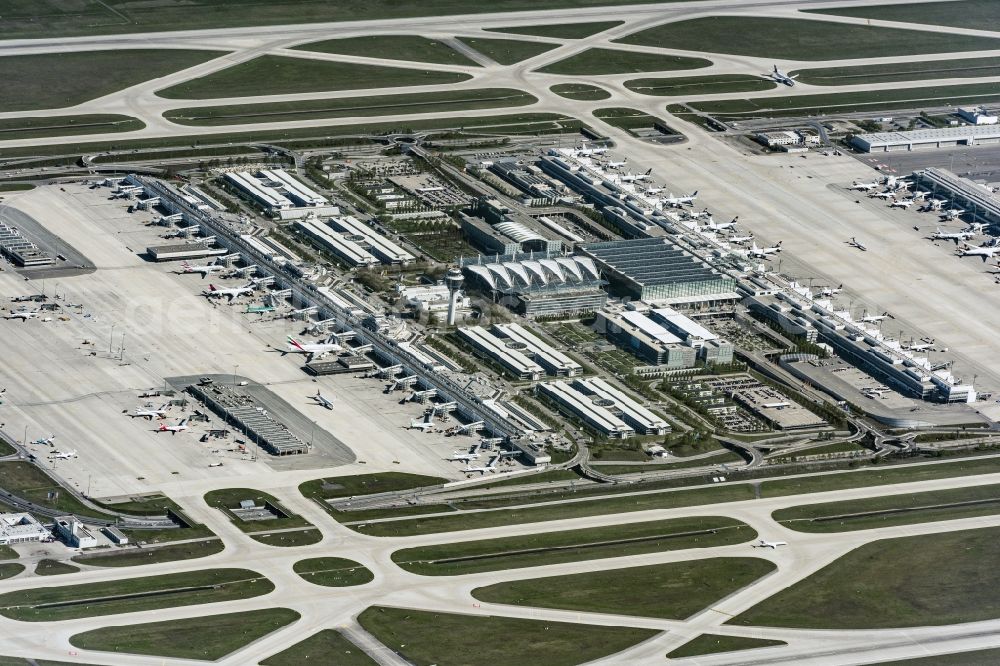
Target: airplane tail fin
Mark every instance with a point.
(212, 287)
(649, 171)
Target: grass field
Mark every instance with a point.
(22, 661)
(715, 643)
(9, 569)
(700, 85)
(333, 572)
(48, 567)
(450, 559)
(875, 476)
(614, 61)
(931, 579)
(328, 647)
(57, 18)
(900, 71)
(972, 14)
(396, 47)
(507, 51)
(423, 638)
(227, 499)
(193, 153)
(767, 37)
(289, 539)
(519, 510)
(901, 509)
(48, 604)
(204, 638)
(8, 553)
(313, 136)
(580, 91)
(674, 591)
(37, 127)
(366, 484)
(868, 100)
(55, 80)
(626, 119)
(299, 75)
(138, 556)
(377, 105)
(561, 30)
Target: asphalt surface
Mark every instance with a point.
(778, 198)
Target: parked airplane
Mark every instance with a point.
(831, 291)
(976, 227)
(981, 251)
(874, 319)
(584, 150)
(231, 294)
(633, 177)
(322, 400)
(44, 440)
(677, 202)
(779, 76)
(650, 191)
(712, 226)
(952, 213)
(23, 316)
(764, 543)
(934, 204)
(63, 455)
(425, 425)
(902, 203)
(464, 457)
(740, 239)
(863, 187)
(150, 414)
(854, 242)
(611, 164)
(763, 252)
(174, 429)
(205, 270)
(313, 349)
(883, 195)
(491, 467)
(952, 235)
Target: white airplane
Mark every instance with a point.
(897, 185)
(23, 316)
(633, 177)
(763, 252)
(952, 235)
(831, 291)
(174, 429)
(205, 270)
(491, 467)
(874, 319)
(584, 150)
(918, 347)
(764, 543)
(313, 349)
(611, 164)
(952, 213)
(976, 227)
(863, 187)
(854, 242)
(231, 294)
(934, 204)
(779, 76)
(44, 440)
(464, 457)
(150, 414)
(740, 239)
(677, 202)
(469, 427)
(902, 203)
(425, 425)
(712, 226)
(883, 195)
(650, 191)
(63, 455)
(322, 400)
(981, 251)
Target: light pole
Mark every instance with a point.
(235, 368)
(111, 338)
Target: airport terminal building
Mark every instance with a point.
(944, 137)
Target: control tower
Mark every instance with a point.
(453, 280)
